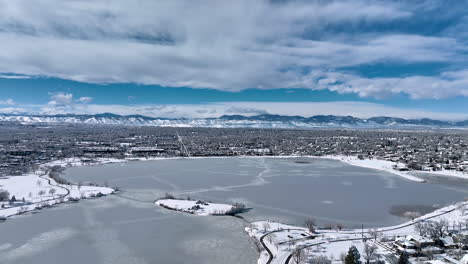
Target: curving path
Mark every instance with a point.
(271, 256)
(49, 181)
(288, 259)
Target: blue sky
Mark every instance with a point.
(203, 59)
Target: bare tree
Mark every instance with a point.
(392, 259)
(168, 196)
(441, 227)
(310, 224)
(420, 228)
(4, 195)
(298, 256)
(434, 230)
(52, 191)
(412, 215)
(266, 226)
(271, 238)
(374, 233)
(458, 254)
(237, 208)
(369, 252)
(462, 209)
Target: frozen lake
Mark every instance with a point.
(128, 228)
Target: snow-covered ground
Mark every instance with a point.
(389, 166)
(77, 162)
(282, 240)
(447, 173)
(376, 164)
(37, 190)
(195, 207)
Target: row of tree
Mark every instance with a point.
(352, 257)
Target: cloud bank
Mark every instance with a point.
(234, 45)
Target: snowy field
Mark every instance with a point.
(36, 191)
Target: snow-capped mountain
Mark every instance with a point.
(258, 121)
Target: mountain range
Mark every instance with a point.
(257, 121)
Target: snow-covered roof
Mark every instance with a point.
(405, 242)
(420, 239)
(448, 241)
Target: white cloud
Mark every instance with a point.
(85, 100)
(10, 76)
(13, 110)
(66, 102)
(418, 87)
(7, 102)
(356, 109)
(61, 100)
(227, 45)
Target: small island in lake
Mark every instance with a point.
(198, 207)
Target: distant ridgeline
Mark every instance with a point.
(257, 121)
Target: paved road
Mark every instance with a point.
(271, 257)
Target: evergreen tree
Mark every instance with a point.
(404, 258)
(353, 256)
(13, 199)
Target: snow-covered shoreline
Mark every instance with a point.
(37, 190)
(377, 164)
(279, 241)
(388, 166)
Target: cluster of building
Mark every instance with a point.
(22, 147)
(423, 246)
